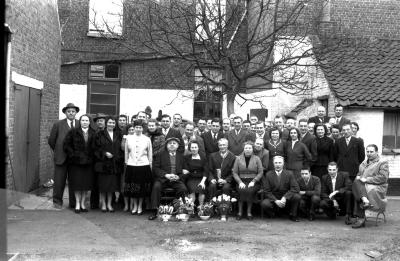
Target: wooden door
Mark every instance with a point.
(25, 161)
(19, 161)
(33, 151)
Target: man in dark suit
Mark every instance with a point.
(339, 119)
(308, 139)
(177, 123)
(336, 193)
(190, 136)
(320, 117)
(261, 133)
(167, 169)
(169, 132)
(279, 123)
(281, 190)
(226, 126)
(310, 191)
(349, 152)
(220, 166)
(238, 136)
(211, 138)
(56, 142)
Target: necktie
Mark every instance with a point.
(337, 120)
(347, 141)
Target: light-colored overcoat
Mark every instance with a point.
(376, 173)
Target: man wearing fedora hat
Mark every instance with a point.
(56, 141)
(167, 169)
(100, 121)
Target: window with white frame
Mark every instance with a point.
(105, 17)
(103, 89)
(207, 94)
(391, 132)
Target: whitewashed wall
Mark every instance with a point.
(169, 101)
(371, 130)
(74, 93)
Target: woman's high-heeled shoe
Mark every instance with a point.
(134, 212)
(77, 211)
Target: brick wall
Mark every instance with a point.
(367, 18)
(36, 53)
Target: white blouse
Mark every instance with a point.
(138, 150)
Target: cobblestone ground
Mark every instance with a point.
(36, 231)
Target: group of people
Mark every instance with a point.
(318, 166)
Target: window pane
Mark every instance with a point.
(199, 110)
(200, 95)
(102, 87)
(107, 109)
(103, 99)
(97, 71)
(391, 129)
(112, 71)
(106, 16)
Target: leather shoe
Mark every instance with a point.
(84, 210)
(152, 217)
(366, 205)
(359, 224)
(140, 213)
(294, 219)
(250, 217)
(348, 220)
(239, 217)
(77, 211)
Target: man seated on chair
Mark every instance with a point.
(221, 164)
(336, 193)
(167, 169)
(310, 191)
(281, 190)
(370, 185)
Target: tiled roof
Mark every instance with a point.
(366, 74)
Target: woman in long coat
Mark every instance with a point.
(109, 161)
(78, 147)
(297, 154)
(325, 150)
(247, 172)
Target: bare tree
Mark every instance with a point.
(235, 46)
